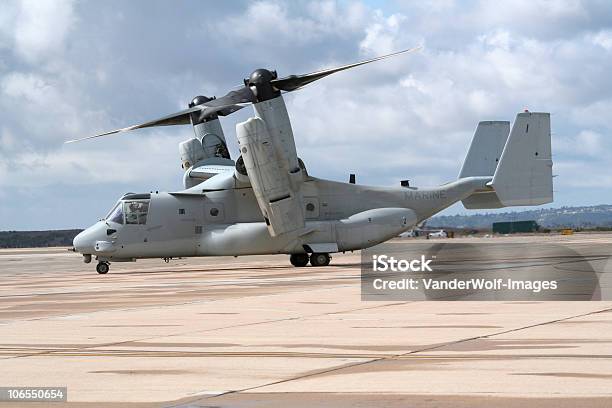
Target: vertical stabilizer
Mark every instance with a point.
(482, 159)
(524, 173)
(486, 149)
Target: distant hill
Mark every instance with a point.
(570, 217)
(35, 239)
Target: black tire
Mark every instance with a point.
(299, 260)
(102, 268)
(320, 259)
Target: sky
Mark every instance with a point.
(70, 69)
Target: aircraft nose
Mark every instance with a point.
(84, 242)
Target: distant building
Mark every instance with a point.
(512, 227)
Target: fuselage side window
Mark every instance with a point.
(136, 212)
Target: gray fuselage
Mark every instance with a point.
(221, 217)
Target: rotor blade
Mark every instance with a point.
(230, 109)
(293, 82)
(221, 110)
(239, 96)
(178, 118)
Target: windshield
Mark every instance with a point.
(136, 211)
(116, 214)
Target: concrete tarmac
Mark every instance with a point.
(257, 332)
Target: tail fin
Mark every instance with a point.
(482, 159)
(486, 149)
(523, 175)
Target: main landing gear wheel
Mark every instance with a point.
(321, 259)
(299, 260)
(102, 268)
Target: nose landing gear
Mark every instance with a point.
(102, 267)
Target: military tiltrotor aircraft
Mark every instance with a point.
(266, 202)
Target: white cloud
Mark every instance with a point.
(585, 143)
(271, 23)
(593, 114)
(532, 17)
(8, 15)
(590, 143)
(497, 39)
(48, 108)
(382, 34)
(117, 160)
(603, 38)
(31, 89)
(41, 28)
(582, 176)
(345, 17)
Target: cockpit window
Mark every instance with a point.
(116, 214)
(136, 212)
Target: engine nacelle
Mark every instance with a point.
(191, 152)
(275, 188)
(209, 142)
(274, 113)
